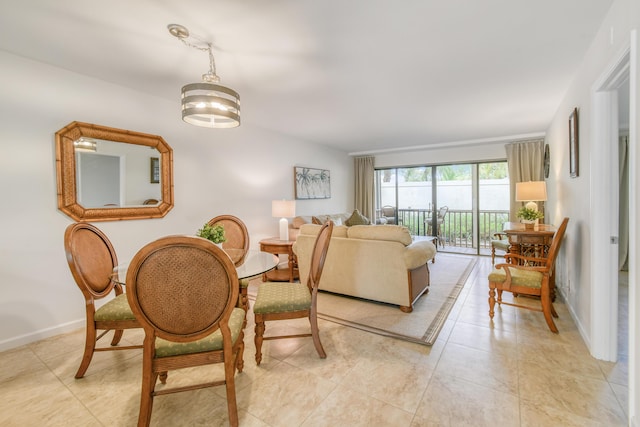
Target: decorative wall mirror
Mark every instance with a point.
(107, 174)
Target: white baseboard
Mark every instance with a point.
(21, 340)
(583, 333)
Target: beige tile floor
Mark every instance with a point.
(512, 373)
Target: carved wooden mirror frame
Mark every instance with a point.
(66, 173)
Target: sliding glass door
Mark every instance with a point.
(461, 204)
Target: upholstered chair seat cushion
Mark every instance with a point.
(213, 342)
(116, 309)
(519, 277)
(279, 297)
(501, 244)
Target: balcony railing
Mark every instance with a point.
(457, 227)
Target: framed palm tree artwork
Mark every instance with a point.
(312, 183)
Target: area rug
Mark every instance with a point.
(422, 325)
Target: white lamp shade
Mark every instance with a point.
(283, 208)
(531, 191)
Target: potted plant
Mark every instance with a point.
(215, 233)
(529, 216)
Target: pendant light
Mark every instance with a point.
(208, 103)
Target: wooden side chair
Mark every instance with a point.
(91, 259)
(183, 290)
(236, 246)
(499, 242)
(528, 276)
(235, 231)
(285, 300)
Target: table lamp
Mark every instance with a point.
(283, 209)
(531, 192)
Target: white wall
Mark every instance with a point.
(237, 171)
(453, 154)
(571, 197)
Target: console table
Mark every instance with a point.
(275, 246)
(529, 242)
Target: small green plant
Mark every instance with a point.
(215, 233)
(529, 214)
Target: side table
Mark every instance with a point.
(275, 246)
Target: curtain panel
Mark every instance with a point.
(365, 186)
(525, 161)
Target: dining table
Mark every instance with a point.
(255, 264)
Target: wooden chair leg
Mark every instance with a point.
(258, 338)
(232, 406)
(493, 255)
(547, 308)
(553, 310)
(117, 336)
(492, 300)
(315, 334)
(89, 348)
(146, 398)
(240, 354)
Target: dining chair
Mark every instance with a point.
(236, 234)
(286, 300)
(236, 246)
(183, 290)
(389, 213)
(91, 259)
(499, 242)
(442, 212)
(530, 276)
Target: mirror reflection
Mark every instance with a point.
(113, 174)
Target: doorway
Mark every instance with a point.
(605, 213)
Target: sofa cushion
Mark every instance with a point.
(314, 229)
(357, 218)
(418, 253)
(391, 233)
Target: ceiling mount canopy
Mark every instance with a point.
(207, 104)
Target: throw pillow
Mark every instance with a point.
(299, 221)
(357, 218)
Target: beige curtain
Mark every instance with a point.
(364, 186)
(623, 219)
(525, 161)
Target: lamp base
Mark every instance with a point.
(284, 229)
(532, 205)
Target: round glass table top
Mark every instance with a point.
(255, 263)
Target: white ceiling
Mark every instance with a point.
(359, 75)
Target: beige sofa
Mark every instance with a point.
(299, 221)
(375, 262)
